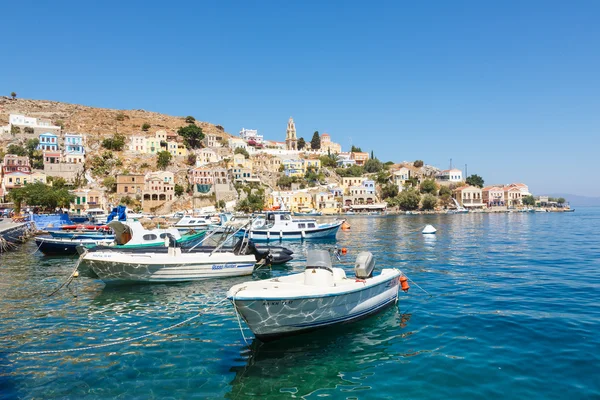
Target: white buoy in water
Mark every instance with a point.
(429, 230)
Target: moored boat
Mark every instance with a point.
(188, 222)
(174, 265)
(279, 225)
(66, 246)
(319, 297)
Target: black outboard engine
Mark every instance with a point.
(171, 241)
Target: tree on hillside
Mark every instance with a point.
(429, 202)
(383, 177)
(389, 190)
(163, 159)
(528, 200)
(353, 171)
(192, 136)
(301, 143)
(190, 120)
(315, 142)
(179, 190)
(329, 161)
(355, 149)
(16, 150)
(475, 180)
(445, 190)
(409, 199)
(373, 165)
(13, 95)
(110, 183)
(418, 164)
(429, 186)
(561, 200)
(241, 150)
(145, 127)
(116, 142)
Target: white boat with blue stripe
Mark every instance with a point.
(279, 225)
(319, 297)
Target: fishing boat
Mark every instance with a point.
(97, 216)
(67, 246)
(174, 265)
(189, 222)
(319, 297)
(279, 225)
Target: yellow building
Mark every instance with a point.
(293, 167)
(300, 201)
(311, 164)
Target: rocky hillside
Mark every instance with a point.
(96, 121)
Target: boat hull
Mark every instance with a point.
(323, 232)
(116, 267)
(58, 247)
(273, 318)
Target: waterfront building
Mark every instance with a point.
(327, 202)
(449, 175)
(158, 189)
(493, 196)
(130, 184)
(291, 141)
(301, 201)
(469, 196)
(523, 188)
(513, 196)
(48, 142)
(86, 199)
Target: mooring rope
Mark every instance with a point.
(69, 279)
(237, 314)
(99, 346)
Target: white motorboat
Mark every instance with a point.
(175, 265)
(279, 225)
(189, 222)
(97, 216)
(321, 296)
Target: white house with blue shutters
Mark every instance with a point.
(74, 145)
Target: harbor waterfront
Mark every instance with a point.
(512, 313)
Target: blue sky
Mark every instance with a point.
(510, 88)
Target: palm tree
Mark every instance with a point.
(13, 95)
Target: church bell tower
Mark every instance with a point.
(290, 135)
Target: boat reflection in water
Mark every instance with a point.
(317, 363)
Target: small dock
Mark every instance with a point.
(13, 233)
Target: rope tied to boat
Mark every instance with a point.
(102, 345)
(237, 314)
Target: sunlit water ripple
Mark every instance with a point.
(514, 313)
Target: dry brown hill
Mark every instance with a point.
(96, 121)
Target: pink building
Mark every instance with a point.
(493, 196)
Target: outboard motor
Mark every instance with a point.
(365, 263)
(174, 249)
(319, 271)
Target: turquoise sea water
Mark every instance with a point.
(514, 313)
